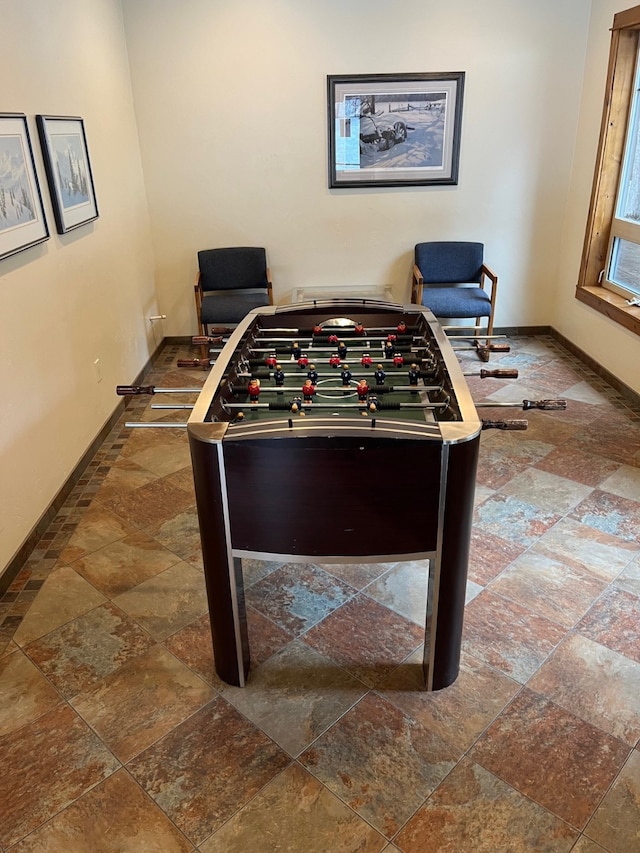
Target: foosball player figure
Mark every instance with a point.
(334, 360)
(362, 390)
(254, 390)
(278, 375)
(333, 338)
(380, 375)
(317, 330)
(366, 360)
(296, 352)
(346, 375)
(358, 329)
(308, 390)
(398, 360)
(402, 327)
(342, 349)
(312, 374)
(303, 360)
(373, 404)
(389, 349)
(296, 405)
(414, 374)
(271, 360)
(392, 337)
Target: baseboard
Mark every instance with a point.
(628, 393)
(11, 570)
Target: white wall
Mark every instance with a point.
(612, 346)
(230, 100)
(81, 296)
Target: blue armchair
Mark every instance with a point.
(230, 283)
(449, 278)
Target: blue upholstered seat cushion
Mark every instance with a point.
(231, 306)
(453, 302)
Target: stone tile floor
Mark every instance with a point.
(116, 734)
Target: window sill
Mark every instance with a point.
(612, 306)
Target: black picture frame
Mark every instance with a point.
(394, 130)
(68, 167)
(22, 220)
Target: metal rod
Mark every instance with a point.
(470, 337)
(354, 405)
(172, 406)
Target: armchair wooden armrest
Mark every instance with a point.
(417, 283)
(269, 286)
(198, 295)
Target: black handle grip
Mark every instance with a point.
(547, 405)
(134, 390)
(507, 425)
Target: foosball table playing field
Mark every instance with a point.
(338, 431)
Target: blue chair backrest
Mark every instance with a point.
(233, 269)
(449, 262)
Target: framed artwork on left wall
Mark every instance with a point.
(22, 219)
(66, 160)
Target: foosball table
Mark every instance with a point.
(339, 431)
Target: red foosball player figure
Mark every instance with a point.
(303, 360)
(391, 337)
(380, 375)
(398, 360)
(362, 389)
(308, 391)
(317, 330)
(389, 349)
(358, 329)
(271, 360)
(366, 360)
(278, 375)
(414, 374)
(333, 339)
(334, 361)
(254, 390)
(346, 375)
(342, 349)
(312, 374)
(401, 327)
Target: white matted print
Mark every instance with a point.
(22, 219)
(66, 160)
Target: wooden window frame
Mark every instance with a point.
(619, 89)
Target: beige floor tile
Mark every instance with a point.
(25, 694)
(63, 596)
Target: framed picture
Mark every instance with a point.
(22, 219)
(66, 160)
(394, 130)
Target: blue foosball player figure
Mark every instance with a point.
(346, 375)
(278, 375)
(414, 374)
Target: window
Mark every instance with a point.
(610, 270)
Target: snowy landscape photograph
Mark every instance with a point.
(16, 196)
(22, 222)
(71, 169)
(66, 160)
(393, 130)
